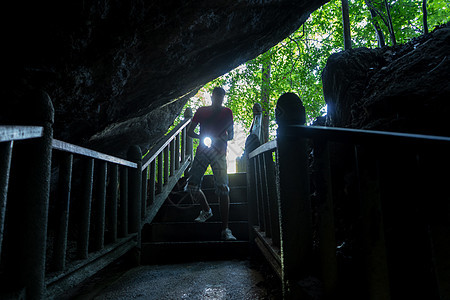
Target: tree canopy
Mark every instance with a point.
(296, 63)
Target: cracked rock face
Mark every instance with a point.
(403, 88)
(119, 72)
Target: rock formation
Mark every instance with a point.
(119, 72)
(403, 88)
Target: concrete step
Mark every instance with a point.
(191, 231)
(235, 179)
(237, 194)
(175, 252)
(188, 212)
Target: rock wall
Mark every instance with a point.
(404, 88)
(119, 72)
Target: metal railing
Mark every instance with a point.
(293, 209)
(56, 235)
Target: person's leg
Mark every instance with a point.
(224, 201)
(200, 197)
(219, 167)
(197, 171)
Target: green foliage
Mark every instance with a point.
(297, 61)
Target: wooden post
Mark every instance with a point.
(172, 158)
(160, 172)
(113, 193)
(5, 164)
(372, 228)
(166, 165)
(144, 192)
(189, 143)
(183, 145)
(63, 205)
(325, 215)
(259, 194)
(99, 206)
(151, 196)
(28, 195)
(265, 196)
(177, 152)
(251, 143)
(134, 182)
(85, 208)
(123, 212)
(294, 196)
(272, 197)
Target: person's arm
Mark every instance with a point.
(230, 132)
(191, 133)
(230, 129)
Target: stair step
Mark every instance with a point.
(191, 231)
(174, 252)
(235, 179)
(237, 194)
(188, 212)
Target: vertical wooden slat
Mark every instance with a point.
(5, 165)
(100, 201)
(260, 207)
(189, 145)
(85, 208)
(144, 191)
(134, 192)
(325, 216)
(265, 196)
(372, 228)
(294, 196)
(272, 197)
(62, 210)
(183, 145)
(177, 152)
(172, 158)
(151, 196)
(160, 172)
(166, 165)
(112, 206)
(123, 210)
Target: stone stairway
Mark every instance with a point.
(173, 236)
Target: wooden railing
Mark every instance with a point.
(396, 233)
(54, 238)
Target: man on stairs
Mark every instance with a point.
(216, 128)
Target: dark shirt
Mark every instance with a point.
(214, 124)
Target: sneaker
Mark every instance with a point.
(227, 235)
(203, 216)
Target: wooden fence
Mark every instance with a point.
(67, 211)
(398, 242)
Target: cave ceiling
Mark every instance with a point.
(119, 72)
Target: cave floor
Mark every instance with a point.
(233, 279)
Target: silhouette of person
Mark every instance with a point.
(216, 128)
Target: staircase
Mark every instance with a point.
(174, 236)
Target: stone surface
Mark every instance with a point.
(196, 280)
(403, 88)
(119, 72)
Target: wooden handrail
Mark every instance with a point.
(269, 146)
(63, 146)
(159, 147)
(280, 198)
(11, 133)
(256, 127)
(352, 136)
(347, 135)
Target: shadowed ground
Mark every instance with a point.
(196, 280)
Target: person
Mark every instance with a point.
(216, 128)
